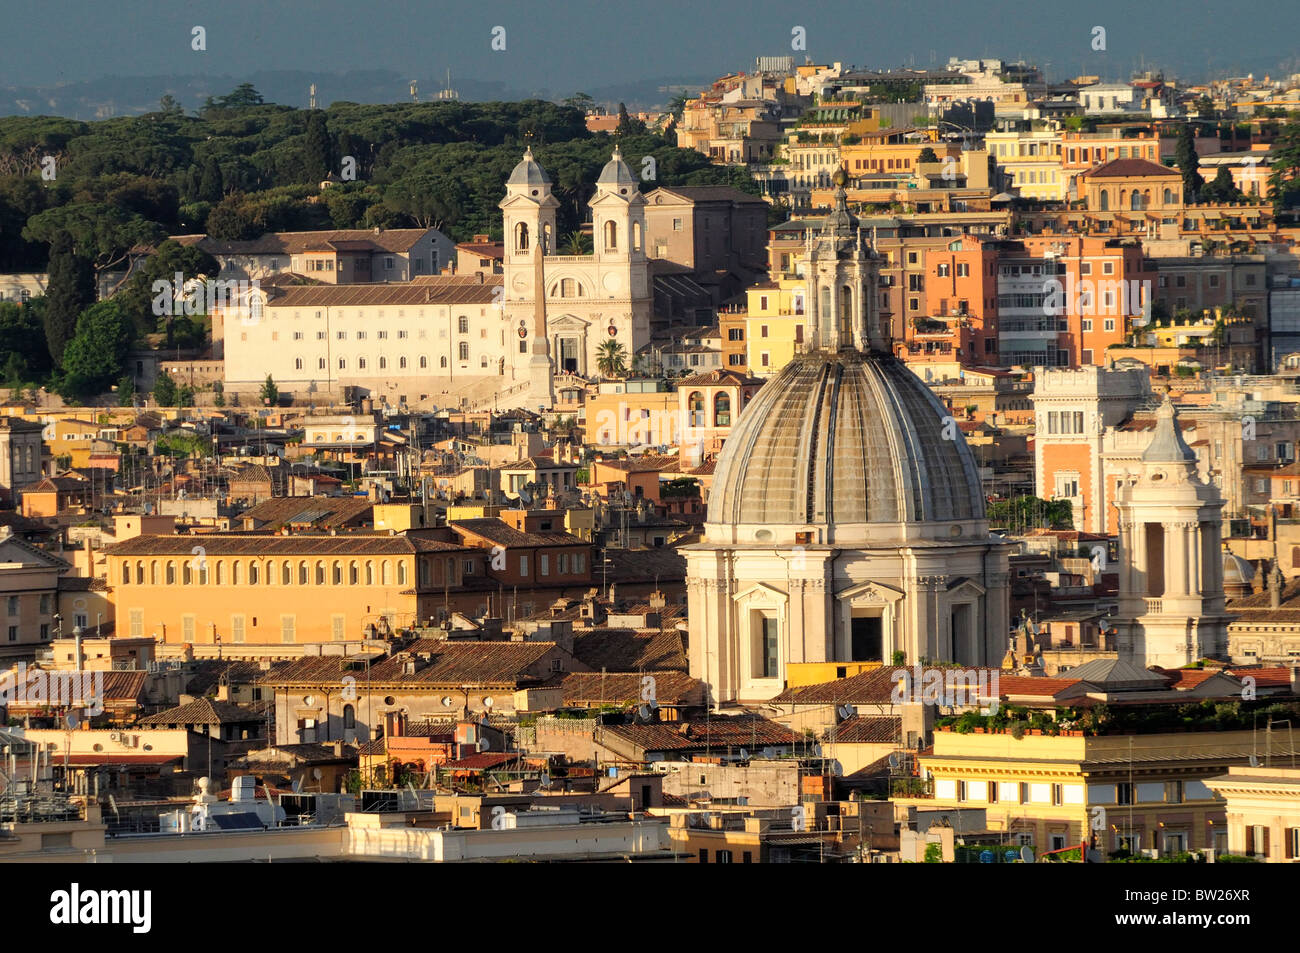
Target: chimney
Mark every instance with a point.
(480, 277)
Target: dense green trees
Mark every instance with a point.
(95, 356)
(1188, 163)
(71, 290)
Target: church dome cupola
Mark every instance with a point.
(616, 177)
(528, 172)
(1168, 445)
(843, 441)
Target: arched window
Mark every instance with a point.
(270, 573)
(636, 236)
(401, 363)
(611, 236)
(370, 573)
(153, 572)
(401, 573)
(722, 410)
(286, 573)
(139, 572)
(695, 408)
(383, 363)
(234, 572)
(361, 363)
(187, 573)
(1105, 200)
(463, 351)
(352, 573)
(521, 237)
(221, 572)
(1169, 196)
(203, 572)
(442, 361)
(320, 573)
(336, 573)
(252, 574)
(349, 718)
(126, 573)
(303, 574)
(386, 568)
(171, 573)
(1135, 201)
(297, 363)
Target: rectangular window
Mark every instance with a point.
(286, 628)
(337, 628)
(187, 627)
(523, 565)
(770, 662)
(544, 564)
(137, 623)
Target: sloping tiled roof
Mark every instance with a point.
(312, 510)
(1127, 168)
(630, 650)
(444, 289)
(874, 687)
(624, 688)
(293, 243)
(502, 664)
(859, 730)
(270, 545)
(204, 711)
(498, 531)
(741, 731)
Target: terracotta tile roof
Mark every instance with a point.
(630, 650)
(1128, 168)
(624, 688)
(439, 663)
(859, 730)
(1267, 677)
(207, 674)
(312, 510)
(748, 731)
(498, 531)
(718, 377)
(445, 289)
(269, 545)
(875, 687)
(1027, 686)
(204, 711)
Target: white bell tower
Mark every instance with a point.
(1171, 567)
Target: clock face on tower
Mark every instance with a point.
(521, 283)
(613, 282)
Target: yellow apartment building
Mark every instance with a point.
(774, 326)
(1140, 792)
(1031, 159)
(278, 590)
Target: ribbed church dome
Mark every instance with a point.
(528, 172)
(844, 438)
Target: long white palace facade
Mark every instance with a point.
(441, 339)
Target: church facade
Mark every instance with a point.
(584, 300)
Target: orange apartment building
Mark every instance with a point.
(1035, 301)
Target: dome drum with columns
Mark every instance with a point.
(846, 520)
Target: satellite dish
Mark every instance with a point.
(72, 719)
(1254, 761)
(297, 785)
(645, 712)
(1027, 854)
(744, 755)
(484, 745)
(846, 711)
(316, 774)
(446, 701)
(487, 703)
(836, 769)
(893, 760)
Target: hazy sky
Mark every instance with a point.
(588, 43)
